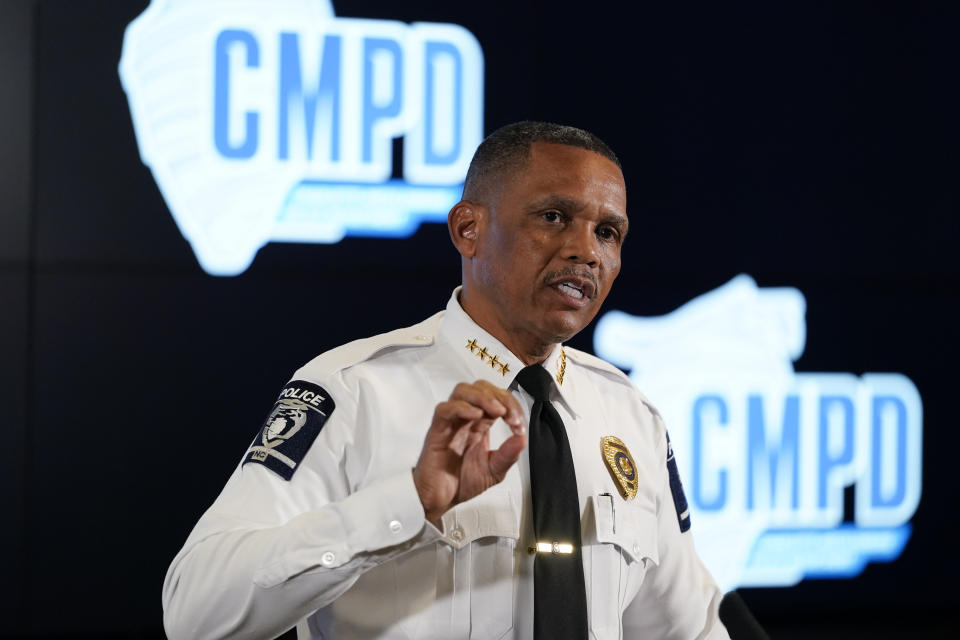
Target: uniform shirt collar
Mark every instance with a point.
(488, 359)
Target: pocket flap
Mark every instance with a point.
(490, 514)
(631, 527)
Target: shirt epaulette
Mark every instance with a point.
(343, 357)
(587, 360)
(593, 362)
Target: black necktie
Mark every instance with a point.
(559, 596)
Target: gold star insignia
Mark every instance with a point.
(487, 358)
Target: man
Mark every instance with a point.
(406, 505)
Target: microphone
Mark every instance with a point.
(740, 623)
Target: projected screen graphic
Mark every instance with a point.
(279, 125)
(766, 452)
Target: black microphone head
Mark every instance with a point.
(740, 623)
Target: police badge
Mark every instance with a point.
(621, 466)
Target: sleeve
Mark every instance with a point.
(679, 598)
(271, 550)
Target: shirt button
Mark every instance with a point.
(423, 338)
(328, 559)
(395, 526)
(636, 549)
(457, 534)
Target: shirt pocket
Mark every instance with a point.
(492, 591)
(473, 572)
(622, 547)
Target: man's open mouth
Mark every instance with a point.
(580, 289)
(571, 290)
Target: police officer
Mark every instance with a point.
(392, 492)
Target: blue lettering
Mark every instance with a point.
(374, 109)
(759, 453)
(221, 95)
(877, 467)
(326, 97)
(436, 56)
(720, 500)
(826, 461)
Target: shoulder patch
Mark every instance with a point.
(297, 417)
(676, 488)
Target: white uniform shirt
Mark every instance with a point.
(342, 547)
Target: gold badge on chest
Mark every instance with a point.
(621, 466)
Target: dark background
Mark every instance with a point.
(810, 144)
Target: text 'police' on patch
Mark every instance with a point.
(294, 423)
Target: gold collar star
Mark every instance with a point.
(488, 358)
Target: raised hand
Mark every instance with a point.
(456, 462)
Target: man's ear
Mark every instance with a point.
(465, 223)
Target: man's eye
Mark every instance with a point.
(551, 216)
(607, 233)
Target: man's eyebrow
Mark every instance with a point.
(558, 201)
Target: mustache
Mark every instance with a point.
(567, 272)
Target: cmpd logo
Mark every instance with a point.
(767, 453)
(275, 121)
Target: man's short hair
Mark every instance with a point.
(509, 146)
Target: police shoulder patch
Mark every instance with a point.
(297, 417)
(676, 488)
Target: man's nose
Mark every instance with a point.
(582, 245)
